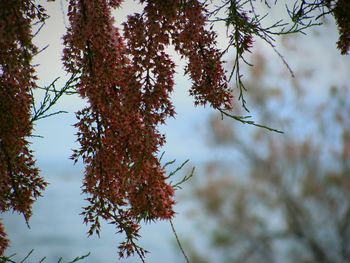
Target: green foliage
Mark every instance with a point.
(9, 259)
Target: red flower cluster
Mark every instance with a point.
(4, 242)
(20, 183)
(342, 17)
(127, 82)
(204, 66)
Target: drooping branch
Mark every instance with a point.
(20, 183)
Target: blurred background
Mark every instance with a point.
(256, 196)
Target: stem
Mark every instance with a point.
(178, 241)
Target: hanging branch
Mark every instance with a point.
(244, 120)
(8, 259)
(51, 97)
(243, 24)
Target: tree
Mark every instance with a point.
(288, 201)
(126, 78)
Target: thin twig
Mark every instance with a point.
(178, 241)
(244, 120)
(27, 256)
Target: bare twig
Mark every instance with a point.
(178, 241)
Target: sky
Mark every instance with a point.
(185, 137)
